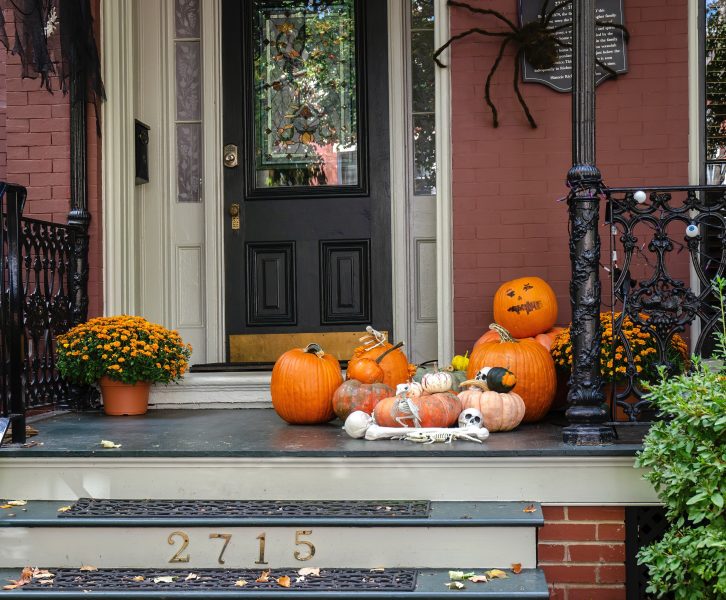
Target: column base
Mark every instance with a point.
(588, 435)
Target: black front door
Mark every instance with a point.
(307, 206)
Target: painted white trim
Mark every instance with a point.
(585, 480)
(444, 205)
(398, 132)
(118, 193)
(213, 177)
(695, 129)
(215, 390)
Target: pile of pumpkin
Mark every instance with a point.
(307, 385)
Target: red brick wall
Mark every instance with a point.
(35, 152)
(506, 181)
(581, 549)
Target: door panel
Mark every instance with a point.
(312, 252)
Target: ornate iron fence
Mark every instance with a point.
(666, 245)
(44, 292)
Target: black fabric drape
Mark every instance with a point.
(54, 38)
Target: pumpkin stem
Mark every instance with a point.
(387, 352)
(475, 383)
(314, 349)
(504, 335)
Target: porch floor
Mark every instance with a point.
(261, 433)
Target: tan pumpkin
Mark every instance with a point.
(434, 410)
(525, 307)
(303, 383)
(396, 368)
(546, 339)
(531, 364)
(353, 395)
(501, 411)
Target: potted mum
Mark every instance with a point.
(124, 355)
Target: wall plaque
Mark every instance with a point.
(610, 45)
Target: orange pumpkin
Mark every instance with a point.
(353, 395)
(365, 370)
(303, 383)
(546, 338)
(434, 410)
(394, 364)
(529, 361)
(525, 307)
(501, 411)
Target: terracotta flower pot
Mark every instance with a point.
(124, 398)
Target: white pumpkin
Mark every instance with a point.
(434, 383)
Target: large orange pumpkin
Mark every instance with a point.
(394, 364)
(353, 395)
(434, 410)
(501, 411)
(525, 307)
(303, 383)
(531, 364)
(546, 338)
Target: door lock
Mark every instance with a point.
(234, 213)
(231, 156)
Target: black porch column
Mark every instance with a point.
(587, 412)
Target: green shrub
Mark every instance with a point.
(686, 458)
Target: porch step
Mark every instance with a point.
(199, 534)
(429, 584)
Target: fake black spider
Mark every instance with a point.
(536, 41)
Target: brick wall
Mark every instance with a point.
(581, 549)
(35, 152)
(506, 181)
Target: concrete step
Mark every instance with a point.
(330, 534)
(428, 584)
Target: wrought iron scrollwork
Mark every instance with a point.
(651, 227)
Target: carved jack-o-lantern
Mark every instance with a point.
(525, 307)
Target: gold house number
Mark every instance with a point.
(305, 550)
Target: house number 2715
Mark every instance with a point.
(304, 548)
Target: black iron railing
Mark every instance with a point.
(666, 246)
(43, 268)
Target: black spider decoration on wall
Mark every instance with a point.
(536, 41)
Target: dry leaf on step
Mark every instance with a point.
(42, 574)
(516, 568)
(496, 574)
(377, 570)
(478, 579)
(6, 505)
(109, 444)
(530, 508)
(138, 578)
(309, 571)
(455, 585)
(26, 576)
(17, 502)
(165, 579)
(264, 578)
(240, 583)
(64, 508)
(283, 581)
(191, 577)
(88, 568)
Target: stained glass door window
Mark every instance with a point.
(305, 93)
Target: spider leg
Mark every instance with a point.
(543, 11)
(464, 34)
(555, 8)
(605, 67)
(517, 61)
(483, 11)
(618, 26)
(487, 95)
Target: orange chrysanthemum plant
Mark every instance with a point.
(614, 358)
(125, 348)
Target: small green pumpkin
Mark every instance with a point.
(498, 379)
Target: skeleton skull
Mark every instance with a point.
(481, 374)
(471, 417)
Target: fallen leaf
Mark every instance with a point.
(455, 585)
(88, 568)
(26, 576)
(6, 505)
(42, 574)
(459, 575)
(530, 508)
(165, 579)
(478, 579)
(17, 502)
(138, 578)
(377, 570)
(496, 574)
(191, 577)
(65, 508)
(283, 581)
(264, 578)
(309, 571)
(109, 444)
(516, 568)
(240, 583)
(46, 581)
(300, 579)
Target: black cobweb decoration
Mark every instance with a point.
(536, 41)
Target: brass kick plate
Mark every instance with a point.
(268, 347)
